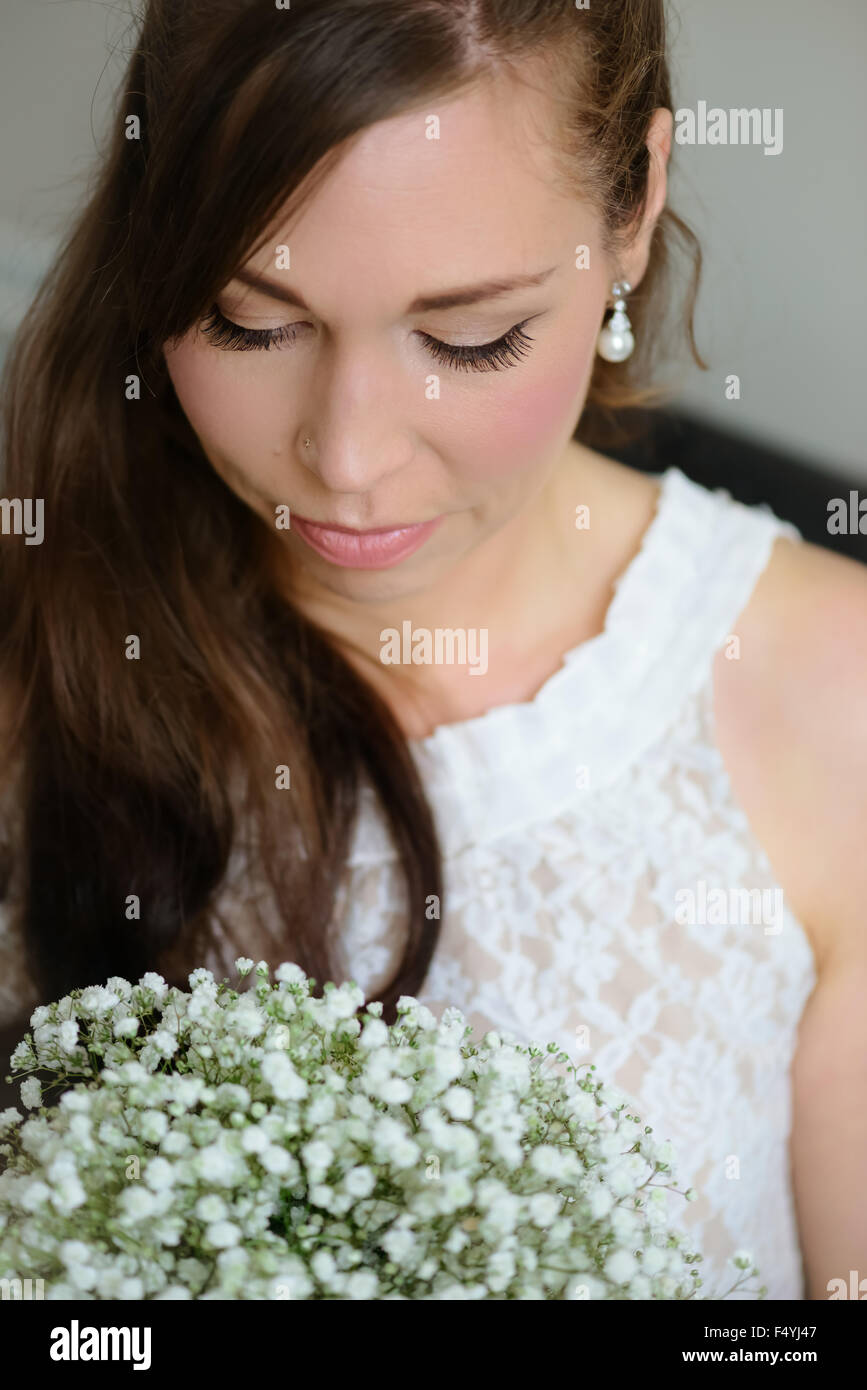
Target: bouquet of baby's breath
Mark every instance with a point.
(269, 1144)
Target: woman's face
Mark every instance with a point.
(401, 435)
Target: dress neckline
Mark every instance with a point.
(614, 696)
(583, 652)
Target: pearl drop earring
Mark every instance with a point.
(616, 341)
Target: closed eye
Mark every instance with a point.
(485, 357)
(223, 333)
(482, 357)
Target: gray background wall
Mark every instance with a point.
(784, 301)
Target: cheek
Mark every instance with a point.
(233, 416)
(512, 434)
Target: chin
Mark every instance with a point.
(377, 586)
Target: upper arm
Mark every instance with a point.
(792, 716)
(829, 1125)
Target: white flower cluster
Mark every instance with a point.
(268, 1144)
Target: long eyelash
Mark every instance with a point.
(225, 334)
(485, 357)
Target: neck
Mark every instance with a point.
(508, 602)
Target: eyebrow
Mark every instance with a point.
(447, 299)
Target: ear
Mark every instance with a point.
(659, 136)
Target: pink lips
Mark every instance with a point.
(364, 550)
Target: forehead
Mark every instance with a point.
(449, 193)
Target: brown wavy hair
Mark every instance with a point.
(139, 777)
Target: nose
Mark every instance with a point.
(358, 420)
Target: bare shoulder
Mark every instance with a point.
(790, 704)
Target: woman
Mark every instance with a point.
(307, 398)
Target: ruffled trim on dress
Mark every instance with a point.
(615, 694)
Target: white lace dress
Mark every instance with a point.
(572, 827)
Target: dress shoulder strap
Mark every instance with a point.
(615, 695)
